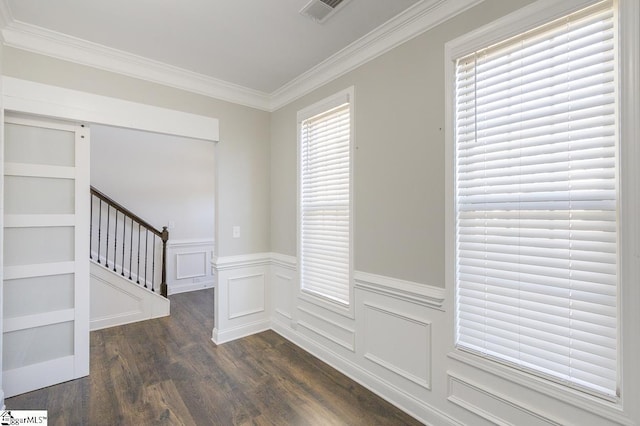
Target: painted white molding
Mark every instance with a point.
(223, 336)
(419, 18)
(391, 348)
(423, 294)
(61, 46)
(581, 400)
(191, 265)
(396, 396)
(121, 301)
(455, 381)
(190, 242)
(629, 294)
(184, 275)
(240, 261)
(247, 295)
(241, 288)
(284, 261)
(528, 17)
(52, 101)
(347, 344)
(187, 287)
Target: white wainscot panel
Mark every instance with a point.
(325, 326)
(493, 406)
(283, 287)
(246, 295)
(188, 265)
(398, 342)
(191, 265)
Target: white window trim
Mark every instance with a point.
(625, 409)
(346, 95)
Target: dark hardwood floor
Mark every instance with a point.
(167, 371)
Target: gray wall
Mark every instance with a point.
(399, 160)
(242, 153)
(399, 157)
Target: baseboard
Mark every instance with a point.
(187, 287)
(387, 391)
(117, 320)
(239, 332)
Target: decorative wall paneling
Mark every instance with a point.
(242, 306)
(116, 301)
(188, 265)
(398, 345)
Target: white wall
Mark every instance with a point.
(161, 178)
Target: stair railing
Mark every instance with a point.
(122, 241)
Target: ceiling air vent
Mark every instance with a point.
(321, 10)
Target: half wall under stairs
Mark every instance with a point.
(117, 301)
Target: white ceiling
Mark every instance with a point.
(259, 45)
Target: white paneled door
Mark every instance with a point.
(46, 246)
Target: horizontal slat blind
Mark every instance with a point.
(536, 186)
(325, 204)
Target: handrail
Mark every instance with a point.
(126, 211)
(128, 217)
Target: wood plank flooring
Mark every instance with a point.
(168, 372)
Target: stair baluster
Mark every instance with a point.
(139, 277)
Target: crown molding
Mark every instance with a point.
(50, 43)
(414, 21)
(419, 18)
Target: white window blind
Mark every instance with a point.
(325, 203)
(536, 184)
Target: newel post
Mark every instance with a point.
(163, 284)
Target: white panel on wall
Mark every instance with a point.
(115, 301)
(190, 265)
(399, 343)
(246, 295)
(282, 292)
(321, 325)
(489, 404)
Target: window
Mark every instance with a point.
(536, 208)
(325, 198)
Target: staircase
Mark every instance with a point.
(128, 265)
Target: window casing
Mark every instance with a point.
(536, 208)
(325, 211)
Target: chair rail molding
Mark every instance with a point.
(423, 294)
